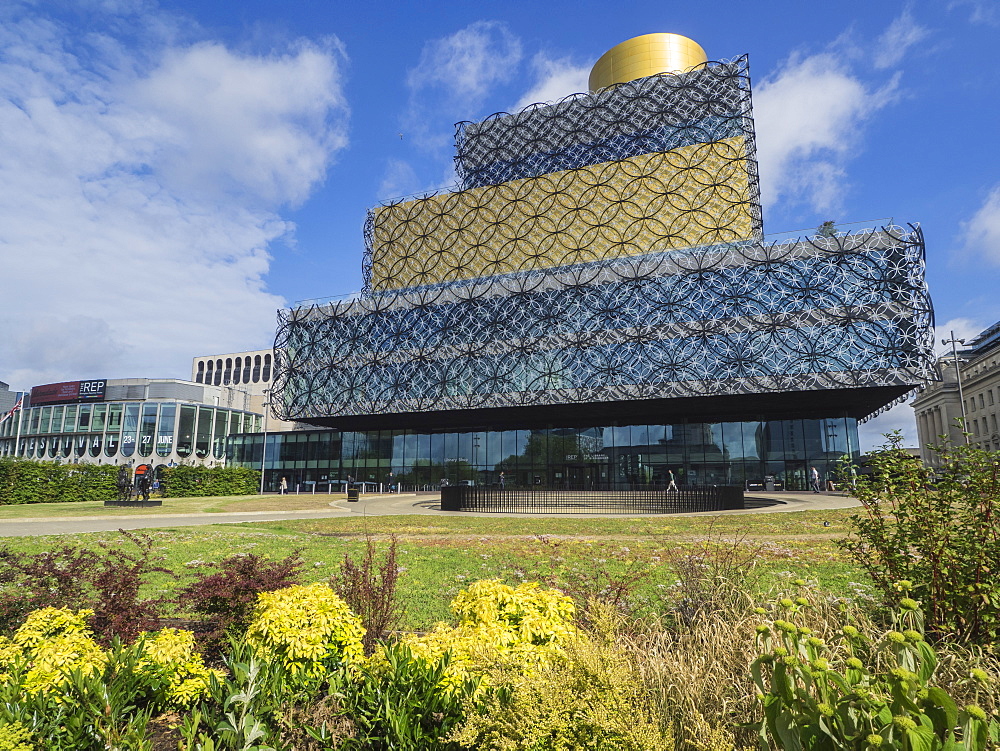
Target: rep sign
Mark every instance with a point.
(68, 392)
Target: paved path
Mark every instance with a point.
(375, 505)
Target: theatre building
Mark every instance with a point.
(596, 305)
(127, 421)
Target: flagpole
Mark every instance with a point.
(20, 413)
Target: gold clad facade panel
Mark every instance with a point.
(695, 195)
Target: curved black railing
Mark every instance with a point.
(534, 500)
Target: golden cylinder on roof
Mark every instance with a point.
(646, 55)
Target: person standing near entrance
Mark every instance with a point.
(502, 479)
(283, 485)
(671, 480)
(814, 476)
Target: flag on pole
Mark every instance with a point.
(13, 410)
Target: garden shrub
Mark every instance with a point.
(227, 596)
(522, 625)
(189, 480)
(306, 629)
(108, 579)
(57, 681)
(396, 703)
(370, 588)
(15, 737)
(170, 654)
(30, 481)
(52, 643)
(591, 697)
(852, 694)
(530, 613)
(937, 529)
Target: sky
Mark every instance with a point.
(173, 173)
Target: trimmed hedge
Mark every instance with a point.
(202, 481)
(29, 481)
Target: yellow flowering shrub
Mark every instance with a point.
(55, 641)
(530, 613)
(304, 627)
(43, 624)
(520, 627)
(593, 697)
(9, 652)
(171, 652)
(15, 737)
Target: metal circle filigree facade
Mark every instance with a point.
(606, 248)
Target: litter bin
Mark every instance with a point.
(769, 483)
(352, 494)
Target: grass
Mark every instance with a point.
(442, 554)
(210, 505)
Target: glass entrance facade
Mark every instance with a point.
(599, 457)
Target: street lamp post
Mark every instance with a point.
(958, 374)
(263, 448)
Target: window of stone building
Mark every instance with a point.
(201, 372)
(975, 427)
(982, 402)
(267, 369)
(993, 421)
(989, 396)
(238, 370)
(227, 376)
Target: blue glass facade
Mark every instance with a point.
(612, 457)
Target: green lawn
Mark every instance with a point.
(211, 505)
(441, 555)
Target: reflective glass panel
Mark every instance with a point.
(165, 430)
(69, 419)
(130, 428)
(203, 437)
(99, 418)
(57, 420)
(185, 431)
(219, 436)
(147, 429)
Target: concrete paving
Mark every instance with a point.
(379, 505)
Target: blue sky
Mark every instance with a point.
(172, 173)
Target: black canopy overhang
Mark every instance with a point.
(784, 405)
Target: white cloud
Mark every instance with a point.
(901, 417)
(453, 78)
(245, 125)
(980, 11)
(468, 63)
(140, 190)
(982, 231)
(554, 79)
(399, 179)
(808, 116)
(903, 33)
(963, 328)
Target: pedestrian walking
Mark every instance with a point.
(283, 485)
(502, 480)
(814, 476)
(671, 480)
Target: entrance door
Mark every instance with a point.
(581, 476)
